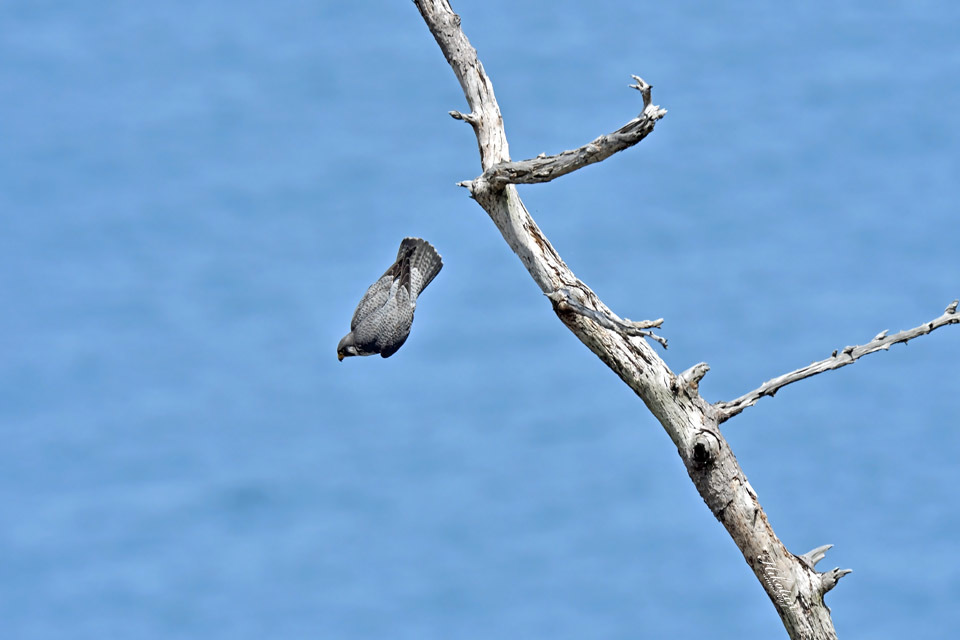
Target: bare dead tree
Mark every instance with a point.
(792, 582)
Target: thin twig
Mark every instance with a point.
(565, 300)
(839, 358)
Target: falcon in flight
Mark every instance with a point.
(382, 320)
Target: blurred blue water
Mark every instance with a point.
(194, 195)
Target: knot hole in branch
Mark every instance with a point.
(706, 448)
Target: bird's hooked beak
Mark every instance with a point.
(346, 347)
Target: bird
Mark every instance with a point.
(382, 320)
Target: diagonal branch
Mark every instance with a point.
(545, 168)
(568, 299)
(848, 355)
(794, 586)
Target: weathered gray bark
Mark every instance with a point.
(793, 584)
(849, 355)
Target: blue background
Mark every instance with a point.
(194, 195)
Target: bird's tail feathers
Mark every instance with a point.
(423, 257)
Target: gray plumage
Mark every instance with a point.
(382, 320)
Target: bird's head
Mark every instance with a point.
(346, 348)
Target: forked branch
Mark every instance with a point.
(545, 168)
(839, 358)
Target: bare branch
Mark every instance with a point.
(849, 355)
(466, 117)
(569, 299)
(644, 88)
(830, 579)
(691, 377)
(812, 557)
(444, 24)
(545, 168)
